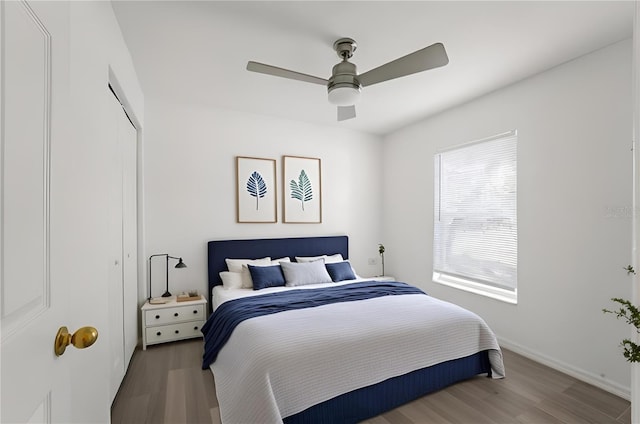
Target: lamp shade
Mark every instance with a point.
(344, 94)
(181, 264)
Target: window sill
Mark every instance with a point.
(502, 295)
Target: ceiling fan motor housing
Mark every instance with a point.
(344, 87)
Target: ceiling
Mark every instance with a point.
(196, 52)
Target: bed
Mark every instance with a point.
(334, 352)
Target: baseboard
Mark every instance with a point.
(582, 375)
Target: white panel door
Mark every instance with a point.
(35, 92)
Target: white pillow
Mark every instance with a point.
(302, 274)
(231, 280)
(235, 265)
(328, 259)
(277, 261)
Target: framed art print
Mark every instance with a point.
(302, 188)
(256, 190)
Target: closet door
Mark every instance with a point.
(129, 239)
(115, 292)
(123, 286)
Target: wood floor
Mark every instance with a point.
(165, 384)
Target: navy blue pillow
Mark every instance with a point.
(266, 276)
(340, 271)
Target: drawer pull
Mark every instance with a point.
(195, 328)
(157, 316)
(175, 315)
(177, 331)
(195, 312)
(158, 333)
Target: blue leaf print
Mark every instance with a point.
(257, 187)
(301, 190)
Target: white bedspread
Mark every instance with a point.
(278, 365)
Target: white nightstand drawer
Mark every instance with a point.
(166, 322)
(175, 314)
(165, 333)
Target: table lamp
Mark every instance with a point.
(180, 264)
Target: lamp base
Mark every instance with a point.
(166, 294)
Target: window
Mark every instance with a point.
(475, 237)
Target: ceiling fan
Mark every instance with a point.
(345, 84)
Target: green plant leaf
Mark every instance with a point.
(631, 350)
(301, 190)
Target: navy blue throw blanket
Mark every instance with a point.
(224, 320)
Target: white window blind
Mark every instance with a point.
(475, 216)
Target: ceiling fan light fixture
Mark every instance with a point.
(344, 94)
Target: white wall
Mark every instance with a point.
(635, 369)
(574, 198)
(190, 184)
(96, 45)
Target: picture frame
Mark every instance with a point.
(302, 190)
(256, 190)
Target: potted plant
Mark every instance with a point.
(630, 313)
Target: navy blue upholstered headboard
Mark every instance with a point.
(219, 250)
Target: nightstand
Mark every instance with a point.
(384, 278)
(171, 321)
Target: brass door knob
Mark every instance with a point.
(83, 337)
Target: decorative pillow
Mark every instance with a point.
(266, 276)
(231, 280)
(247, 281)
(340, 271)
(235, 265)
(302, 274)
(328, 259)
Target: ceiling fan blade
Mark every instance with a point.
(346, 112)
(430, 57)
(284, 73)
